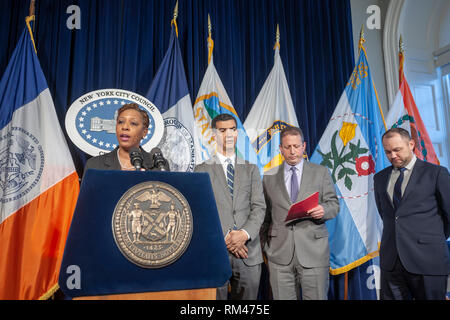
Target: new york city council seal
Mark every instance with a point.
(152, 224)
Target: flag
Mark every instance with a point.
(405, 114)
(272, 111)
(212, 100)
(39, 184)
(169, 92)
(352, 150)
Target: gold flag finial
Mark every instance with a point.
(362, 40)
(210, 40)
(401, 45)
(209, 26)
(175, 16)
(277, 38)
(401, 58)
(175, 11)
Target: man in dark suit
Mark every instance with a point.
(239, 197)
(413, 200)
(298, 252)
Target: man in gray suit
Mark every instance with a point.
(298, 252)
(240, 201)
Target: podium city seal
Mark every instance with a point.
(152, 224)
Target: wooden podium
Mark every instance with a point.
(194, 294)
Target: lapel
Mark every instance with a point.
(112, 163)
(239, 168)
(110, 160)
(307, 177)
(413, 179)
(387, 175)
(280, 182)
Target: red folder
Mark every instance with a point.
(298, 210)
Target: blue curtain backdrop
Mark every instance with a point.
(121, 44)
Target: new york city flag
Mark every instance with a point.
(38, 182)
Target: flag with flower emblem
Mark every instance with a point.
(352, 151)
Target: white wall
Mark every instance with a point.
(444, 35)
(373, 45)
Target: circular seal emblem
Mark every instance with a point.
(21, 163)
(91, 120)
(152, 224)
(177, 145)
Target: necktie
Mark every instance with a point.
(230, 177)
(294, 184)
(397, 196)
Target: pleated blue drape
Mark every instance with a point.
(122, 42)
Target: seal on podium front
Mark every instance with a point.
(152, 224)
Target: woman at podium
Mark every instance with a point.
(131, 127)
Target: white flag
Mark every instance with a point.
(272, 111)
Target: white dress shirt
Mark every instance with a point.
(406, 175)
(224, 162)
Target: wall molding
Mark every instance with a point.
(390, 47)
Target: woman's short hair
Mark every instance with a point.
(134, 106)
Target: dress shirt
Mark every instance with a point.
(224, 163)
(288, 175)
(396, 173)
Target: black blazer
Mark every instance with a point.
(418, 229)
(109, 161)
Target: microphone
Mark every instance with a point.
(136, 158)
(158, 159)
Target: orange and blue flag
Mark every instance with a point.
(38, 182)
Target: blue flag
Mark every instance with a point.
(169, 92)
(352, 150)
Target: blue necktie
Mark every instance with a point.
(230, 177)
(397, 196)
(294, 185)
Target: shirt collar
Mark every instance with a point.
(411, 164)
(299, 166)
(222, 158)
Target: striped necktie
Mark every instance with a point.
(230, 176)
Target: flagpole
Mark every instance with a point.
(401, 54)
(32, 7)
(31, 17)
(210, 40)
(175, 16)
(362, 40)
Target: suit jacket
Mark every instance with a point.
(247, 207)
(418, 229)
(309, 237)
(109, 161)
